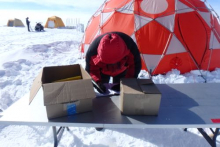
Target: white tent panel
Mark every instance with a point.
(140, 21)
(154, 6)
(128, 8)
(151, 61)
(167, 21)
(84, 38)
(214, 43)
(86, 47)
(175, 46)
(134, 38)
(105, 17)
(182, 8)
(206, 16)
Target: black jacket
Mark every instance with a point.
(27, 21)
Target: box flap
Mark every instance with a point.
(130, 85)
(147, 86)
(84, 73)
(37, 83)
(145, 81)
(54, 73)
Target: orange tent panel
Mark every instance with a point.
(194, 34)
(181, 61)
(213, 62)
(116, 21)
(152, 38)
(92, 29)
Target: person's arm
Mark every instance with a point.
(94, 70)
(91, 68)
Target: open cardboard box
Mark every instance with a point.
(139, 97)
(67, 97)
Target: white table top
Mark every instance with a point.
(182, 106)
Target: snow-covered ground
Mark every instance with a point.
(23, 54)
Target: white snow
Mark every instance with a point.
(23, 54)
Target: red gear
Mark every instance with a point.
(111, 49)
(112, 54)
(111, 57)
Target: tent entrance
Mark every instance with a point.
(51, 24)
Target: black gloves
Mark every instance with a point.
(102, 88)
(99, 87)
(116, 87)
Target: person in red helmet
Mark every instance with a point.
(112, 54)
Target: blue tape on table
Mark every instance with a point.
(71, 109)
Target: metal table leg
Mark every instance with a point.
(55, 136)
(58, 134)
(211, 140)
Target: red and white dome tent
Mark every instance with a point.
(170, 34)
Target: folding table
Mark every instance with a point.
(194, 105)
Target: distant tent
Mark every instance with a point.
(54, 22)
(15, 23)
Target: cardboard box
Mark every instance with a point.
(66, 97)
(139, 97)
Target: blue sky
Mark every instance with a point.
(58, 5)
(65, 5)
(215, 4)
(40, 10)
(33, 6)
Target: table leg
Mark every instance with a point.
(216, 133)
(55, 136)
(211, 140)
(58, 134)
